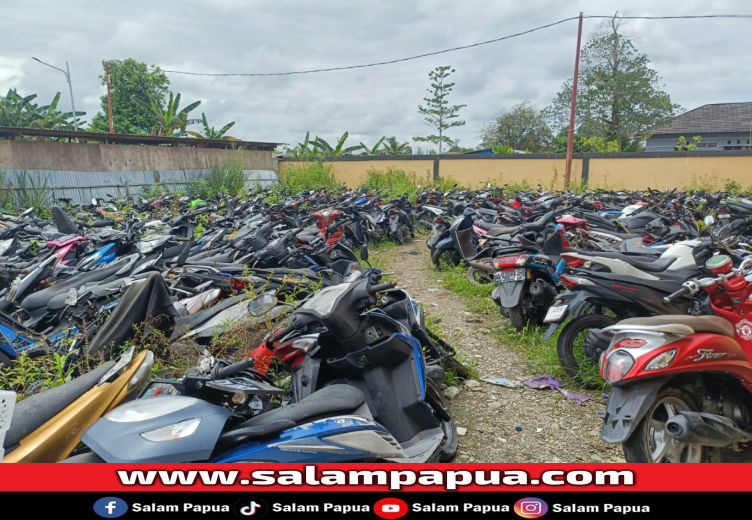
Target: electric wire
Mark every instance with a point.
(453, 49)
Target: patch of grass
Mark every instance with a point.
(227, 178)
(541, 355)
(313, 175)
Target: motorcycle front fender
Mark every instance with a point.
(510, 293)
(627, 406)
(447, 243)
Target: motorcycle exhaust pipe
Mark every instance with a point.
(481, 266)
(703, 428)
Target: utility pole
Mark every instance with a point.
(109, 96)
(570, 134)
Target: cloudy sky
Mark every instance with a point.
(701, 61)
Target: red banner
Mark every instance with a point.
(375, 477)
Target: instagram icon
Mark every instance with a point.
(530, 507)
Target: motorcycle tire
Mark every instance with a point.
(445, 256)
(640, 446)
(479, 277)
(572, 357)
(424, 226)
(397, 235)
(450, 445)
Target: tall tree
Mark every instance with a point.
(438, 113)
(523, 127)
(619, 97)
(130, 81)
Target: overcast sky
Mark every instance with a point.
(700, 61)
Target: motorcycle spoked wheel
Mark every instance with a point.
(575, 353)
(440, 257)
(651, 443)
(478, 276)
(450, 444)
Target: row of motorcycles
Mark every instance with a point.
(650, 290)
(343, 368)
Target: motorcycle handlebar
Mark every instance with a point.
(373, 289)
(674, 296)
(278, 336)
(230, 370)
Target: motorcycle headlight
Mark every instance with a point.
(618, 366)
(173, 432)
(662, 360)
(144, 409)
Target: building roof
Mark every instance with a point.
(10, 132)
(711, 119)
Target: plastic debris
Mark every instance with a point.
(461, 431)
(518, 428)
(538, 430)
(595, 457)
(605, 396)
(435, 305)
(452, 392)
(501, 381)
(432, 290)
(546, 382)
(471, 383)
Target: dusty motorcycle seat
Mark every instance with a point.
(34, 411)
(709, 324)
(495, 229)
(43, 297)
(329, 400)
(646, 263)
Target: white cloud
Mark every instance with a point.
(700, 61)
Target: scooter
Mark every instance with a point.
(372, 399)
(46, 427)
(682, 383)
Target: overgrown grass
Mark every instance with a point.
(307, 176)
(395, 181)
(540, 355)
(228, 178)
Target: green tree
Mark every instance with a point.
(321, 146)
(393, 147)
(438, 113)
(619, 97)
(523, 127)
(457, 148)
(21, 112)
(372, 151)
(171, 121)
(211, 133)
(131, 81)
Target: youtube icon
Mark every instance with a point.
(390, 508)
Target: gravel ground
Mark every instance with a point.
(554, 428)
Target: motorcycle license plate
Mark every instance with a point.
(555, 313)
(513, 275)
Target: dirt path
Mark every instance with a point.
(554, 428)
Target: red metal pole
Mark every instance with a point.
(109, 96)
(570, 135)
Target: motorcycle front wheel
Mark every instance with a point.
(440, 257)
(650, 442)
(573, 346)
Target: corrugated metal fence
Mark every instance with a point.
(83, 186)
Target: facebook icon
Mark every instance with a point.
(110, 507)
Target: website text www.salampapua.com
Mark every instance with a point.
(394, 479)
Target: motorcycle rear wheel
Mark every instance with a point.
(397, 235)
(424, 226)
(650, 443)
(571, 346)
(445, 256)
(479, 277)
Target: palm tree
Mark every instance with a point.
(210, 133)
(372, 151)
(170, 120)
(335, 151)
(394, 147)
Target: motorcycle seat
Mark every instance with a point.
(332, 399)
(43, 297)
(646, 263)
(34, 411)
(495, 229)
(709, 324)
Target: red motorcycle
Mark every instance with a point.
(683, 384)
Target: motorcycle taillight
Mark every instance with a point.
(573, 261)
(505, 262)
(293, 352)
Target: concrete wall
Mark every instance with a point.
(623, 171)
(41, 155)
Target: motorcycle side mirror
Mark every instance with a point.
(260, 305)
(709, 220)
(110, 196)
(93, 201)
(364, 253)
(26, 213)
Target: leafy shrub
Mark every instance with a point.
(312, 175)
(228, 178)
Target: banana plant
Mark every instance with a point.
(394, 147)
(169, 120)
(338, 150)
(374, 150)
(21, 112)
(502, 149)
(211, 133)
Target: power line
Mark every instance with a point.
(380, 63)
